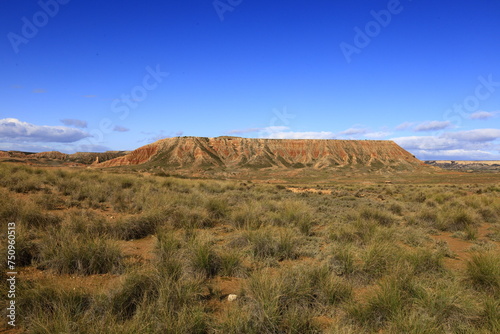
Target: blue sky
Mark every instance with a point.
(116, 75)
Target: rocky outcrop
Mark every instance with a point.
(235, 152)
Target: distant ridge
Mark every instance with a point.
(236, 152)
(85, 158)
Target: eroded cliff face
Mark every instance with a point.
(235, 152)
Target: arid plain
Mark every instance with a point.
(231, 235)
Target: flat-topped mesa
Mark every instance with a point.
(236, 152)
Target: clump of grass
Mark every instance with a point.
(470, 232)
(414, 236)
(393, 296)
(294, 213)
(33, 216)
(428, 216)
(138, 226)
(328, 289)
(27, 248)
(139, 287)
(148, 301)
(455, 218)
(169, 258)
(378, 258)
(230, 264)
(381, 217)
(26, 184)
(204, 259)
(51, 308)
(280, 303)
(87, 222)
(491, 314)
(10, 207)
(451, 308)
(266, 245)
(483, 270)
(249, 215)
(424, 260)
(365, 229)
(345, 234)
(68, 253)
(50, 201)
(396, 209)
(185, 217)
(342, 261)
(217, 207)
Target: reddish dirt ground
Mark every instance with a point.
(461, 248)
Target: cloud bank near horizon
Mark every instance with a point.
(14, 130)
(475, 144)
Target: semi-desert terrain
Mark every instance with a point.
(235, 235)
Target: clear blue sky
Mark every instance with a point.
(116, 75)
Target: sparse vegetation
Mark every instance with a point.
(125, 252)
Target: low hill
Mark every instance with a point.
(236, 153)
(85, 158)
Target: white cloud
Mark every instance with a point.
(119, 128)
(467, 145)
(478, 135)
(74, 122)
(14, 130)
(456, 154)
(377, 135)
(25, 147)
(283, 132)
(93, 148)
(483, 115)
(353, 131)
(404, 126)
(243, 131)
(433, 126)
(426, 143)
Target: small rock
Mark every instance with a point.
(232, 297)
